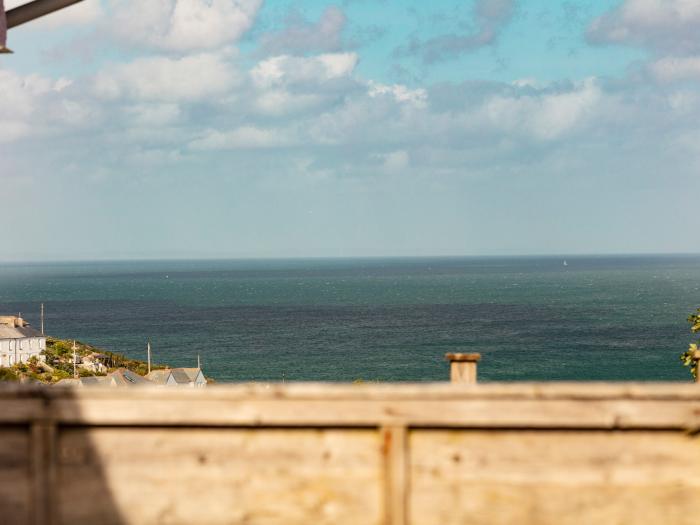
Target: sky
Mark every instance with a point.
(251, 128)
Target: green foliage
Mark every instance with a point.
(58, 375)
(7, 374)
(688, 357)
(59, 356)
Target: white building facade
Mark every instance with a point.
(19, 342)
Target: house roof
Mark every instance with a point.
(84, 381)
(125, 377)
(18, 332)
(192, 373)
(180, 376)
(94, 380)
(159, 377)
(69, 382)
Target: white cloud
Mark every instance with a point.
(288, 85)
(182, 25)
(194, 77)
(395, 161)
(301, 36)
(663, 25)
(490, 17)
(399, 92)
(543, 115)
(13, 130)
(23, 112)
(279, 102)
(671, 69)
(154, 114)
(245, 137)
(285, 69)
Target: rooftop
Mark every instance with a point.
(14, 327)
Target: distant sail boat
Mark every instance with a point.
(566, 263)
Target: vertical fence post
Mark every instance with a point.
(394, 448)
(42, 468)
(463, 368)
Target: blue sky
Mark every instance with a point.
(243, 128)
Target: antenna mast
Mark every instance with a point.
(75, 361)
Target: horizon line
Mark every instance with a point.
(344, 257)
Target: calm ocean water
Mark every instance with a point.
(598, 318)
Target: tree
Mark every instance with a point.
(688, 358)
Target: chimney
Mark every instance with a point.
(463, 368)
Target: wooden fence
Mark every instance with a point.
(352, 454)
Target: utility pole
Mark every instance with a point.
(148, 351)
(42, 318)
(75, 361)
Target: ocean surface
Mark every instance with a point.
(532, 318)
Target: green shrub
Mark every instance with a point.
(688, 357)
(7, 374)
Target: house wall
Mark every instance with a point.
(20, 350)
(523, 454)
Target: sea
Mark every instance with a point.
(580, 318)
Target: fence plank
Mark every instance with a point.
(43, 435)
(15, 486)
(504, 413)
(395, 474)
(322, 454)
(220, 476)
(548, 478)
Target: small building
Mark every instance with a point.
(19, 342)
(86, 381)
(92, 363)
(161, 377)
(125, 377)
(191, 377)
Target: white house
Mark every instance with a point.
(192, 377)
(19, 341)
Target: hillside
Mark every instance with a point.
(58, 363)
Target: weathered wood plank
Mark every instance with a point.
(15, 492)
(42, 466)
(467, 413)
(22, 410)
(145, 476)
(395, 451)
(562, 478)
(386, 391)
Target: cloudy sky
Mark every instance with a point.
(251, 128)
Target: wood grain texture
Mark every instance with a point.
(475, 413)
(42, 468)
(144, 476)
(562, 478)
(339, 454)
(395, 451)
(15, 485)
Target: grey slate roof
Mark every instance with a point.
(159, 377)
(180, 376)
(85, 381)
(191, 373)
(124, 377)
(16, 332)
